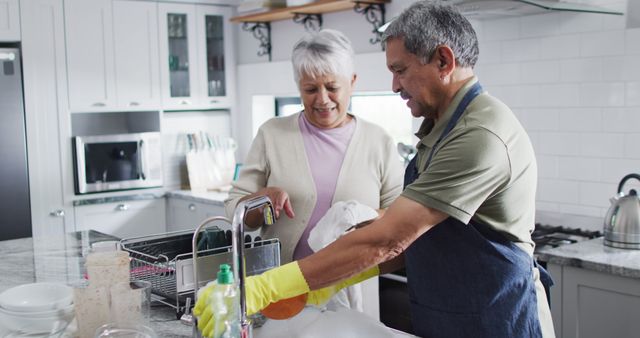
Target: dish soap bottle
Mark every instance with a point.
(224, 301)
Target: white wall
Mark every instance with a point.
(573, 79)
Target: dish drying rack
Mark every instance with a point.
(166, 260)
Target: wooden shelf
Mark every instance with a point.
(317, 7)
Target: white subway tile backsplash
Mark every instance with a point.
(631, 149)
(632, 95)
(501, 29)
(580, 119)
(602, 94)
(602, 145)
(621, 120)
(602, 43)
(580, 169)
(596, 194)
(557, 143)
(521, 50)
(547, 166)
(539, 25)
(560, 47)
(561, 191)
(615, 169)
(540, 72)
(581, 70)
(539, 119)
(499, 74)
(572, 22)
(573, 80)
(558, 95)
(632, 41)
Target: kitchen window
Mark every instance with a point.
(387, 110)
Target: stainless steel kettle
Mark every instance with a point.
(622, 222)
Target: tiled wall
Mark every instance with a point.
(573, 79)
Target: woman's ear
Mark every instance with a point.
(353, 79)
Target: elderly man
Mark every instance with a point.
(462, 225)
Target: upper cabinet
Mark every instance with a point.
(112, 49)
(195, 54)
(9, 20)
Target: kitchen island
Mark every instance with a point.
(596, 291)
(61, 260)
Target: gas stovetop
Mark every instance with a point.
(549, 236)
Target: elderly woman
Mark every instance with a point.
(308, 161)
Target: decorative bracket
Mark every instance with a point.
(262, 32)
(374, 14)
(311, 22)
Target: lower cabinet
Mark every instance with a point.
(123, 219)
(183, 214)
(591, 304)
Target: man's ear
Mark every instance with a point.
(446, 59)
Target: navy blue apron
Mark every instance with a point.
(468, 280)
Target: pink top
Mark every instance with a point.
(325, 149)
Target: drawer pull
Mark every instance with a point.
(57, 213)
(192, 207)
(122, 207)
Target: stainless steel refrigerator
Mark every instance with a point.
(15, 210)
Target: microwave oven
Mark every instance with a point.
(117, 162)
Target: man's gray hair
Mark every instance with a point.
(426, 25)
(327, 52)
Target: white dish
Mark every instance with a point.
(36, 297)
(24, 323)
(40, 314)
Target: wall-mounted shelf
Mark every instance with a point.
(310, 15)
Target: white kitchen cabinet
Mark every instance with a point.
(112, 52)
(136, 50)
(9, 20)
(183, 214)
(591, 304)
(123, 219)
(47, 120)
(196, 55)
(89, 38)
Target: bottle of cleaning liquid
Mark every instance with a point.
(224, 301)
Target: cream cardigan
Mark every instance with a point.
(371, 174)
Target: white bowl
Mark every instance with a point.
(24, 322)
(40, 314)
(36, 297)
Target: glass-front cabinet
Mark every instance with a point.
(195, 46)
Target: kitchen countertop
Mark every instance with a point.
(209, 197)
(61, 260)
(594, 255)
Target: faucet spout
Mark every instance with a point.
(237, 243)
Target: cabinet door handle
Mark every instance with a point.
(214, 101)
(192, 207)
(122, 207)
(57, 213)
(183, 102)
(133, 104)
(99, 104)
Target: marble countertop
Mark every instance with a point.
(61, 260)
(594, 255)
(209, 197)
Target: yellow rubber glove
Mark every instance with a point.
(320, 297)
(280, 283)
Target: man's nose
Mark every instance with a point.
(395, 84)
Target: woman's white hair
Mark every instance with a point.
(325, 52)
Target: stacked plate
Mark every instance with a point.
(37, 308)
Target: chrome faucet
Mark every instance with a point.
(237, 243)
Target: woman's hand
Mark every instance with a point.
(280, 200)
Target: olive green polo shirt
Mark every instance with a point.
(485, 169)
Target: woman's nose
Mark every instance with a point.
(323, 96)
